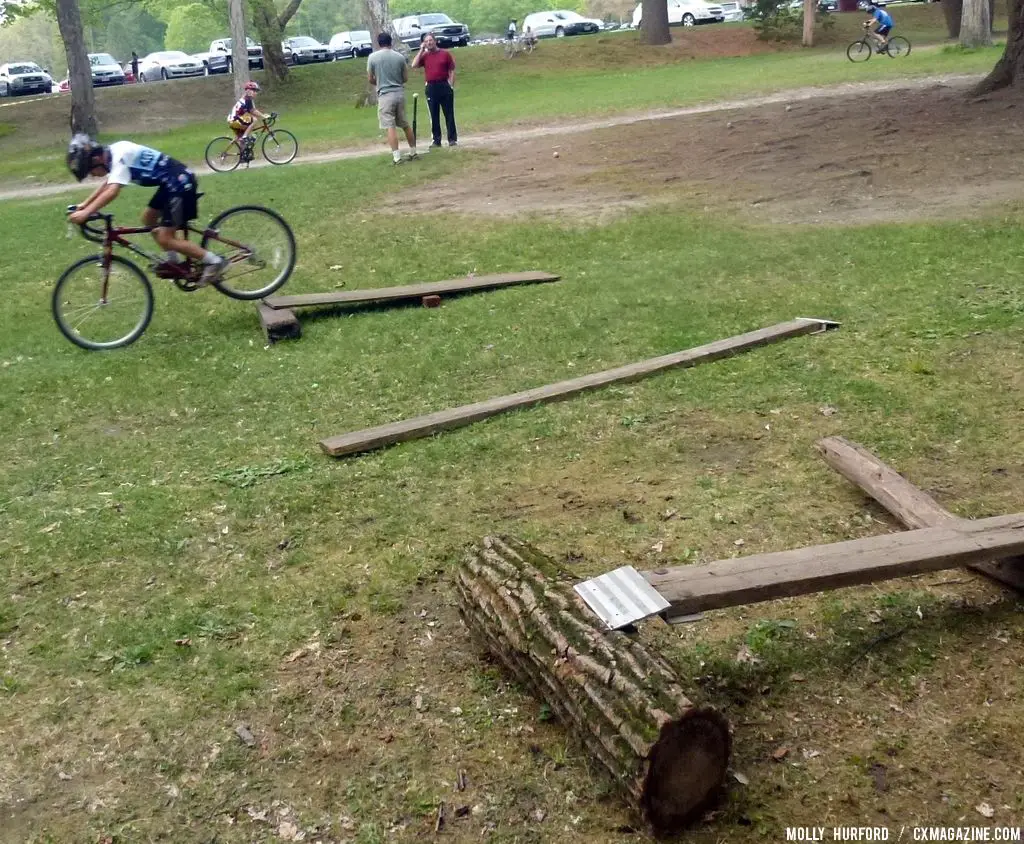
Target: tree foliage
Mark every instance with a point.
(191, 28)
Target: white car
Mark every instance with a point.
(558, 24)
(105, 70)
(302, 49)
(18, 78)
(349, 45)
(687, 12)
(733, 11)
(169, 64)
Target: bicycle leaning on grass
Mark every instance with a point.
(894, 48)
(279, 146)
(105, 301)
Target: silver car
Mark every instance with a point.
(169, 64)
(105, 70)
(18, 78)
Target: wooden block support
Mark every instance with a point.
(910, 505)
(431, 301)
(667, 756)
(409, 291)
(785, 574)
(458, 417)
(278, 324)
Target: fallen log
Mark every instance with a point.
(668, 756)
(910, 505)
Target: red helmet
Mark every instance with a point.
(252, 86)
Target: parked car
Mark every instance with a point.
(687, 12)
(105, 70)
(129, 76)
(305, 50)
(18, 78)
(734, 11)
(348, 45)
(169, 64)
(63, 86)
(448, 33)
(558, 24)
(218, 58)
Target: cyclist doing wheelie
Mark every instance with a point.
(882, 22)
(241, 119)
(172, 207)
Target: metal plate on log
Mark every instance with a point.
(621, 597)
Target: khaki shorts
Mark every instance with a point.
(391, 110)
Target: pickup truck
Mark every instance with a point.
(218, 59)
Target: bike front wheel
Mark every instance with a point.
(98, 308)
(859, 51)
(898, 47)
(223, 154)
(259, 247)
(280, 146)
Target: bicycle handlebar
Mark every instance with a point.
(93, 233)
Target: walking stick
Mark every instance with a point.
(415, 106)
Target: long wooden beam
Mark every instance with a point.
(423, 426)
(408, 291)
(785, 574)
(910, 505)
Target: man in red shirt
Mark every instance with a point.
(439, 70)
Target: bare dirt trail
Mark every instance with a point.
(526, 134)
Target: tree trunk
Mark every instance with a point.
(1010, 67)
(270, 27)
(239, 47)
(378, 13)
(953, 11)
(654, 23)
(810, 9)
(83, 103)
(667, 756)
(976, 24)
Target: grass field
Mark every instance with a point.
(180, 559)
(599, 75)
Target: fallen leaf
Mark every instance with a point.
(417, 702)
(668, 514)
(294, 655)
(985, 810)
(738, 543)
(538, 815)
(780, 753)
(183, 643)
(920, 614)
(335, 267)
(50, 528)
(878, 772)
(287, 831)
(797, 678)
(827, 410)
(658, 547)
(742, 779)
(810, 754)
(62, 776)
(745, 656)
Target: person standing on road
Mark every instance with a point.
(135, 65)
(439, 72)
(387, 71)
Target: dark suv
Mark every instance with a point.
(448, 33)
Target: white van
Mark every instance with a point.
(687, 13)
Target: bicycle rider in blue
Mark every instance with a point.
(882, 22)
(171, 208)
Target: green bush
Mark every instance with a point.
(775, 20)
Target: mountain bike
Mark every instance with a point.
(520, 44)
(279, 146)
(105, 301)
(894, 48)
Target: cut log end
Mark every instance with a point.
(686, 771)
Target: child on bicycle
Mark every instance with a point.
(241, 117)
(174, 204)
(882, 22)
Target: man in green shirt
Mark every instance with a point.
(388, 72)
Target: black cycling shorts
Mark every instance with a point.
(884, 30)
(177, 200)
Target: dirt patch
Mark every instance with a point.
(885, 156)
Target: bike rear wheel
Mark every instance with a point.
(898, 47)
(259, 246)
(223, 154)
(96, 309)
(280, 146)
(859, 51)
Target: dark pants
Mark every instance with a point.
(441, 97)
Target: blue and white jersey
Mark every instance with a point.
(883, 17)
(132, 163)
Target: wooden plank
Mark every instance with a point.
(910, 505)
(408, 291)
(278, 324)
(444, 420)
(784, 574)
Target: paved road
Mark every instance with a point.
(498, 139)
